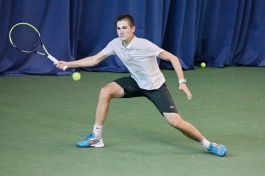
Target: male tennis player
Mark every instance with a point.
(139, 56)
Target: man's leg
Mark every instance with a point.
(175, 120)
(111, 90)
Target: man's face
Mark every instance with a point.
(125, 31)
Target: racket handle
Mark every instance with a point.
(55, 61)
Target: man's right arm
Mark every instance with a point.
(85, 62)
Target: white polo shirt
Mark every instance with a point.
(140, 59)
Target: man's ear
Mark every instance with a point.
(133, 28)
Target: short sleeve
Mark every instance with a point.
(108, 50)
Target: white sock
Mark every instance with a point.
(97, 130)
(205, 143)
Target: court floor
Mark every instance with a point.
(42, 117)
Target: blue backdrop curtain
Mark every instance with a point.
(218, 32)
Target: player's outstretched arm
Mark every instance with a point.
(85, 62)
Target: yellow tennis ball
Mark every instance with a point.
(76, 76)
(203, 64)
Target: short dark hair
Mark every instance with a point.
(126, 17)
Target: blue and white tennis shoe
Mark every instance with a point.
(91, 141)
(219, 150)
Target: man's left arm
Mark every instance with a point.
(167, 56)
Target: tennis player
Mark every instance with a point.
(146, 80)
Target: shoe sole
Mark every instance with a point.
(91, 146)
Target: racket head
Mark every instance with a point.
(25, 37)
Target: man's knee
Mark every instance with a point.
(174, 119)
(110, 90)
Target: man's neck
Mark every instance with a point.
(126, 43)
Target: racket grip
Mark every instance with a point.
(55, 61)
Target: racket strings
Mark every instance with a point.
(26, 38)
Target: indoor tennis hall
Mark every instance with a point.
(44, 112)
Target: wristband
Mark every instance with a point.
(182, 80)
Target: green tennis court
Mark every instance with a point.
(42, 117)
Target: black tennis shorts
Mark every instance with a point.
(160, 97)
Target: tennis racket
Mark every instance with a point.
(27, 39)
